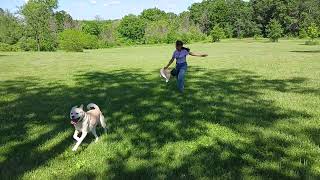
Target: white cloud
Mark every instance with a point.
(93, 1)
(110, 3)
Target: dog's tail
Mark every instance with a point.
(103, 123)
(92, 106)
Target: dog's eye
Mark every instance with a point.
(77, 113)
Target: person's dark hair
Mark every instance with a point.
(180, 43)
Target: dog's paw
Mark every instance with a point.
(74, 149)
(97, 139)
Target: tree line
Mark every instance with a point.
(40, 27)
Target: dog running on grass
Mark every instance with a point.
(85, 122)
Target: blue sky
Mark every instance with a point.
(107, 9)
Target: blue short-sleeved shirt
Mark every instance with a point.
(180, 56)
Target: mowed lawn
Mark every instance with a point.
(250, 110)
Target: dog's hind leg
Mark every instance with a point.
(103, 123)
(94, 132)
(83, 135)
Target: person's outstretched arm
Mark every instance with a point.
(198, 54)
(170, 62)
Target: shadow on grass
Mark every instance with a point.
(311, 51)
(150, 115)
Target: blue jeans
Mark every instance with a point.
(181, 71)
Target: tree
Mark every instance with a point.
(293, 15)
(153, 14)
(10, 28)
(109, 33)
(63, 21)
(228, 31)
(92, 27)
(157, 32)
(132, 28)
(274, 30)
(217, 34)
(234, 14)
(38, 15)
(313, 31)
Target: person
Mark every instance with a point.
(180, 55)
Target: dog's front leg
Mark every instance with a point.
(83, 135)
(75, 135)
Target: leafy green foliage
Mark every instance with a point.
(38, 16)
(109, 35)
(303, 34)
(10, 28)
(274, 30)
(72, 40)
(9, 47)
(154, 14)
(217, 33)
(228, 31)
(28, 44)
(75, 40)
(90, 41)
(63, 21)
(42, 22)
(292, 15)
(233, 15)
(92, 27)
(132, 28)
(313, 31)
(157, 32)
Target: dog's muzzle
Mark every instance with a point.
(75, 121)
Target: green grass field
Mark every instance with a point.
(250, 110)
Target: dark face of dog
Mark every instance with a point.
(76, 114)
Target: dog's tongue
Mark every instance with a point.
(73, 122)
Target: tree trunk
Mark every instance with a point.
(38, 43)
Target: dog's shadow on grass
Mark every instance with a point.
(150, 115)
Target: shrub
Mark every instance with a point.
(217, 33)
(184, 37)
(274, 30)
(90, 41)
(72, 40)
(303, 34)
(195, 34)
(172, 37)
(9, 48)
(313, 31)
(27, 44)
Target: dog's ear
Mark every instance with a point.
(74, 107)
(81, 107)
